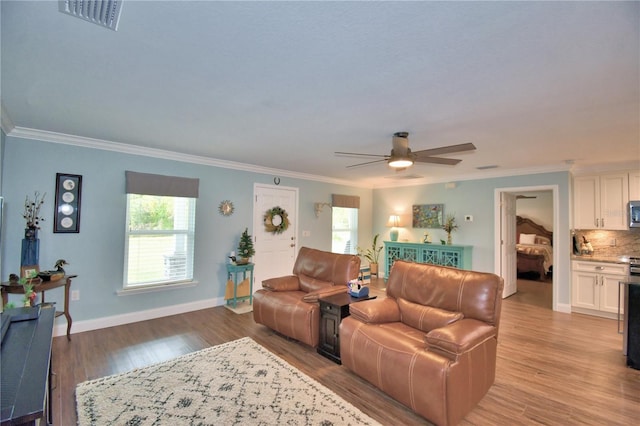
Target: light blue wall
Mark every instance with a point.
(476, 198)
(96, 253)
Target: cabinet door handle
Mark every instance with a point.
(597, 222)
(602, 222)
(599, 268)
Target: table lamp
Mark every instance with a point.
(394, 222)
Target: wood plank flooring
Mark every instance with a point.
(552, 368)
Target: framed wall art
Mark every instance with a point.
(428, 216)
(67, 210)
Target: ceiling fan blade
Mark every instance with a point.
(355, 154)
(438, 160)
(446, 150)
(364, 164)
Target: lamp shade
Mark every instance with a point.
(394, 220)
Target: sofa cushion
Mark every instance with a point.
(476, 294)
(286, 283)
(325, 266)
(375, 311)
(315, 295)
(311, 284)
(460, 337)
(426, 318)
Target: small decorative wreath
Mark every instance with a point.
(276, 220)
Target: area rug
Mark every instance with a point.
(238, 382)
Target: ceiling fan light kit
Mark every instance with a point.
(400, 162)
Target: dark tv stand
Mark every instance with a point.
(25, 369)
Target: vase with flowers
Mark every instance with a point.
(450, 226)
(31, 243)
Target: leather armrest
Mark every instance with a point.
(460, 336)
(286, 283)
(313, 296)
(375, 311)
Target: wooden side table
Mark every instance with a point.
(40, 287)
(237, 289)
(333, 309)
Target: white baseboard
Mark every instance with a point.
(60, 328)
(563, 307)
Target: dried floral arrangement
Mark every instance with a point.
(32, 210)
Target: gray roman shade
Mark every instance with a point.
(347, 201)
(168, 186)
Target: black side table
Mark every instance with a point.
(332, 310)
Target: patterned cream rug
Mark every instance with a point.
(238, 382)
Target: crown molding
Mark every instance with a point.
(487, 174)
(5, 121)
(80, 141)
(604, 168)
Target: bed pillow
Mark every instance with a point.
(527, 238)
(543, 240)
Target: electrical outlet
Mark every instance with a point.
(75, 294)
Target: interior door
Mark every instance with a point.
(508, 254)
(275, 252)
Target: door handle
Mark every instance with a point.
(292, 245)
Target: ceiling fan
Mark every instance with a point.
(401, 156)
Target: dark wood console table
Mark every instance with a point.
(40, 287)
(25, 369)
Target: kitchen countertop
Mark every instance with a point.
(609, 259)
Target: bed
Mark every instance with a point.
(534, 247)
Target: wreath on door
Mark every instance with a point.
(276, 220)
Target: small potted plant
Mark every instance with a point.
(450, 226)
(245, 248)
(372, 254)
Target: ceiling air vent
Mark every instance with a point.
(105, 13)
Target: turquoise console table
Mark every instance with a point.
(457, 256)
(239, 289)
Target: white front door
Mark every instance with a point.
(508, 269)
(275, 252)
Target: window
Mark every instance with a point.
(160, 230)
(344, 225)
(159, 243)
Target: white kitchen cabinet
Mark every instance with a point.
(634, 186)
(595, 288)
(600, 202)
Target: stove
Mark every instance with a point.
(634, 266)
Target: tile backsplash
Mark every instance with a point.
(627, 243)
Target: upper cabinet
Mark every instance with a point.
(634, 186)
(600, 202)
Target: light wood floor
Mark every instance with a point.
(552, 368)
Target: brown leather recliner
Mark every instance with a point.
(289, 304)
(431, 344)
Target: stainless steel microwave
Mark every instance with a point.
(634, 214)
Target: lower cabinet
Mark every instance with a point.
(457, 256)
(595, 287)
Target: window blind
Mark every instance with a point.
(168, 186)
(347, 201)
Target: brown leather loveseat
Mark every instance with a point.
(289, 304)
(431, 343)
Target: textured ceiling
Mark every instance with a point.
(285, 84)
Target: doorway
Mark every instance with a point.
(506, 210)
(275, 251)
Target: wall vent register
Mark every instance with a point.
(105, 13)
